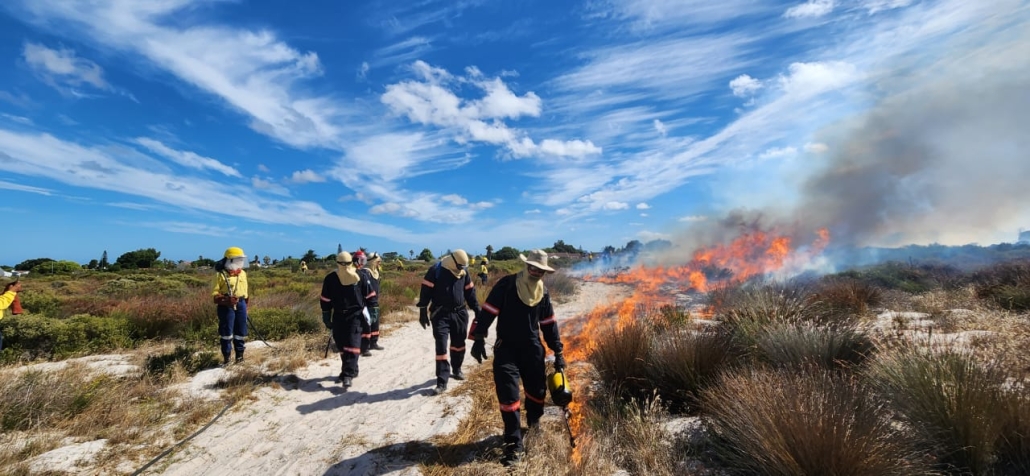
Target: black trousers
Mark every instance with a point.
(347, 334)
(370, 332)
(513, 362)
(449, 327)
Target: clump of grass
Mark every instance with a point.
(560, 285)
(798, 345)
(778, 423)
(690, 363)
(1005, 284)
(748, 309)
(632, 433)
(622, 357)
(844, 300)
(186, 356)
(953, 402)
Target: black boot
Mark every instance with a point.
(225, 360)
(376, 346)
(239, 356)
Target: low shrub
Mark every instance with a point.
(277, 323)
(778, 423)
(560, 285)
(634, 433)
(844, 300)
(186, 356)
(33, 336)
(41, 301)
(622, 356)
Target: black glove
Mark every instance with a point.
(327, 319)
(559, 362)
(423, 317)
(479, 349)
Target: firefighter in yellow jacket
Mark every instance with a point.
(232, 297)
(9, 299)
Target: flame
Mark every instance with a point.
(752, 253)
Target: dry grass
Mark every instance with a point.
(785, 423)
(844, 300)
(798, 345)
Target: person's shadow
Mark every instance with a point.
(398, 456)
(343, 397)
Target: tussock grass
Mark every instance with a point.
(690, 362)
(799, 345)
(622, 357)
(844, 300)
(560, 285)
(632, 434)
(1006, 285)
(956, 405)
(747, 310)
(783, 423)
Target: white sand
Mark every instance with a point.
(315, 428)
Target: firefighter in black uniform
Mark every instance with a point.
(523, 310)
(344, 312)
(370, 272)
(446, 289)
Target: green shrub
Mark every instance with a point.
(952, 401)
(1005, 284)
(274, 324)
(45, 301)
(32, 336)
(560, 285)
(798, 345)
(790, 423)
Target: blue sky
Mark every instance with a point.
(193, 125)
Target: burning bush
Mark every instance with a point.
(774, 422)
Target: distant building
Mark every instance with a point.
(1024, 237)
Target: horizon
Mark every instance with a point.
(189, 126)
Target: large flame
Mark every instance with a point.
(749, 254)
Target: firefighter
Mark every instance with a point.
(232, 297)
(9, 300)
(484, 273)
(446, 290)
(344, 313)
(523, 310)
(370, 272)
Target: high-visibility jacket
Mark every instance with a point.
(236, 287)
(5, 301)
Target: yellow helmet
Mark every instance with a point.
(234, 252)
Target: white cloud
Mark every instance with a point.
(18, 119)
(672, 14)
(269, 186)
(692, 218)
(431, 102)
(660, 127)
(616, 206)
(263, 168)
(363, 70)
(186, 158)
(191, 228)
(62, 68)
(810, 79)
(778, 152)
(816, 148)
(643, 206)
(745, 85)
(810, 9)
(401, 52)
(532, 212)
(648, 236)
(306, 176)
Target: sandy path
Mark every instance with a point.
(313, 427)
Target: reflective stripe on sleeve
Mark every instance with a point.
(371, 295)
(458, 349)
(549, 320)
(470, 285)
(427, 283)
(491, 309)
(324, 299)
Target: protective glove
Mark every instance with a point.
(423, 317)
(367, 316)
(559, 362)
(222, 300)
(233, 300)
(479, 349)
(327, 319)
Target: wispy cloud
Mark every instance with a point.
(17, 119)
(24, 188)
(810, 9)
(650, 15)
(399, 18)
(192, 228)
(306, 176)
(404, 51)
(186, 158)
(63, 70)
(252, 71)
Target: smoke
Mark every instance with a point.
(946, 159)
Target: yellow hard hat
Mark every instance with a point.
(234, 252)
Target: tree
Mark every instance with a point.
(561, 247)
(92, 264)
(633, 246)
(28, 264)
(426, 255)
(267, 260)
(339, 248)
(309, 257)
(489, 252)
(103, 264)
(411, 254)
(390, 256)
(202, 262)
(141, 258)
(56, 267)
(506, 253)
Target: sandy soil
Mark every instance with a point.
(311, 426)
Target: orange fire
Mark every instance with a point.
(752, 253)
